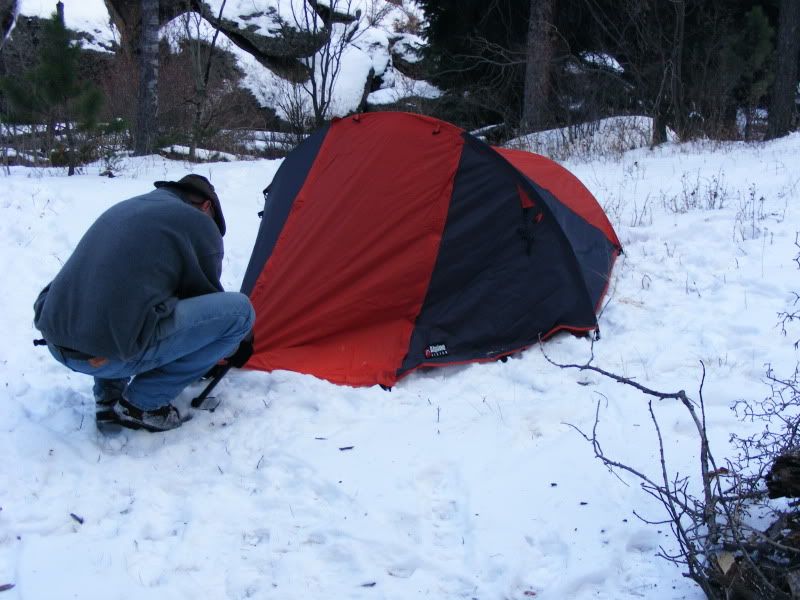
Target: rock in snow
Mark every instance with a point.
(274, 41)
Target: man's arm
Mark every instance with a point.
(211, 269)
(203, 268)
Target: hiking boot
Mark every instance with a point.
(106, 393)
(104, 409)
(162, 418)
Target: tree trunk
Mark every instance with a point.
(749, 111)
(201, 67)
(196, 128)
(784, 90)
(71, 159)
(147, 106)
(537, 66)
(659, 126)
(676, 84)
(8, 15)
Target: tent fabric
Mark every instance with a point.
(294, 169)
(508, 286)
(393, 241)
(594, 252)
(352, 275)
(563, 185)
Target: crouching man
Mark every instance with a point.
(139, 304)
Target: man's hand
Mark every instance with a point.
(216, 370)
(237, 359)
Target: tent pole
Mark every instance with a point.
(198, 402)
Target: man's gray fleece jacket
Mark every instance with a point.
(127, 273)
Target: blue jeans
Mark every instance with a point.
(200, 332)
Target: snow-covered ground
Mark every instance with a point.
(201, 153)
(609, 136)
(464, 482)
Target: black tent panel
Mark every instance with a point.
(501, 279)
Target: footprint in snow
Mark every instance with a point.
(445, 526)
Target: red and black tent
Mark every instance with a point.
(393, 241)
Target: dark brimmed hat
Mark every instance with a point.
(197, 184)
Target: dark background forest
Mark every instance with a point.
(719, 69)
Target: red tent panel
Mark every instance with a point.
(353, 273)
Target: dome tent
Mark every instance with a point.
(392, 241)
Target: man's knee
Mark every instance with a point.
(242, 310)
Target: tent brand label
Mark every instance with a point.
(435, 351)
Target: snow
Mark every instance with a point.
(89, 16)
(266, 86)
(375, 43)
(409, 47)
(368, 50)
(603, 60)
(266, 18)
(263, 141)
(348, 88)
(397, 86)
(613, 135)
(201, 153)
(464, 482)
(385, 11)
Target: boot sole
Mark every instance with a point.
(136, 424)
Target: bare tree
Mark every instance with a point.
(501, 67)
(784, 90)
(717, 515)
(676, 67)
(202, 56)
(325, 65)
(648, 37)
(539, 57)
(293, 103)
(147, 105)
